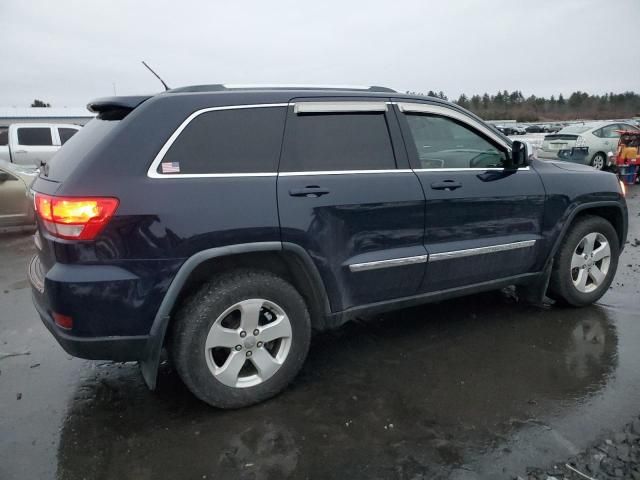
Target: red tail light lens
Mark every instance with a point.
(63, 321)
(75, 218)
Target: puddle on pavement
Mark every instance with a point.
(454, 385)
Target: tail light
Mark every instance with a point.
(580, 142)
(623, 188)
(75, 218)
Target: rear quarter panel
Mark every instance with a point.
(159, 223)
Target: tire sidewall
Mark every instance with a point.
(207, 306)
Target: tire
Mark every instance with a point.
(216, 315)
(599, 161)
(580, 283)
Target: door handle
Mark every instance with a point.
(308, 191)
(446, 185)
(20, 151)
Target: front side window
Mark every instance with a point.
(245, 140)
(35, 136)
(337, 142)
(66, 134)
(443, 143)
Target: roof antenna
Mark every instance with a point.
(166, 87)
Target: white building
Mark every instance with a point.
(78, 116)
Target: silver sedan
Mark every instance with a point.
(16, 206)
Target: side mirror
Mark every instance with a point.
(519, 155)
(4, 176)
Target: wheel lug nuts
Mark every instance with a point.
(249, 353)
(256, 332)
(243, 334)
(259, 344)
(238, 347)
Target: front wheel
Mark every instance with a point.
(586, 262)
(241, 338)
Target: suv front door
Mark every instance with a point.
(482, 221)
(347, 196)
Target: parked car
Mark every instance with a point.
(553, 127)
(201, 221)
(518, 130)
(587, 143)
(510, 129)
(33, 143)
(534, 129)
(16, 208)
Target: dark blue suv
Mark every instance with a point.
(225, 224)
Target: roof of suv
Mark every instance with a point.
(257, 94)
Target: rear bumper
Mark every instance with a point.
(120, 349)
(112, 308)
(574, 154)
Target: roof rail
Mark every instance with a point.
(219, 87)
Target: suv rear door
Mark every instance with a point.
(347, 196)
(482, 222)
(32, 144)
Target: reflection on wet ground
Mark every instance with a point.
(472, 388)
(422, 390)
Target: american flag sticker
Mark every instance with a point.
(170, 167)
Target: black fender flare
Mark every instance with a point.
(571, 217)
(151, 359)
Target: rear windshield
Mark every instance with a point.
(75, 149)
(576, 129)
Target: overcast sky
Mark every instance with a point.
(68, 52)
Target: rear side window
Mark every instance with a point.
(35, 136)
(66, 134)
(337, 142)
(243, 140)
(67, 159)
(4, 136)
(610, 131)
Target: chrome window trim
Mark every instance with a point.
(152, 172)
(320, 107)
(435, 257)
(339, 107)
(467, 169)
(394, 262)
(343, 172)
(408, 107)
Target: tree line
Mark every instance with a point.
(579, 105)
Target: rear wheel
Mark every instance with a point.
(598, 161)
(586, 263)
(241, 338)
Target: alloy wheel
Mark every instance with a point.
(598, 162)
(590, 262)
(248, 343)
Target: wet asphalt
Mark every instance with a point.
(479, 387)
